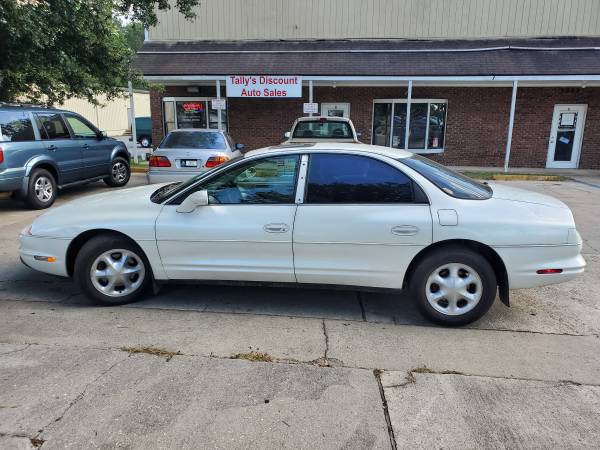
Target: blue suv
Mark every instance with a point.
(43, 150)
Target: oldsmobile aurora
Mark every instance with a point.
(321, 213)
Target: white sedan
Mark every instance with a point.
(319, 214)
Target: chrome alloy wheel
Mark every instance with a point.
(117, 272)
(119, 172)
(454, 289)
(43, 189)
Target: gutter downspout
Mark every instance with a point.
(511, 122)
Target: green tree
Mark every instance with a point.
(51, 50)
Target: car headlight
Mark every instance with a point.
(27, 231)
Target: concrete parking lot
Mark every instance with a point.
(341, 369)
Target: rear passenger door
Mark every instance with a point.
(361, 223)
(95, 151)
(66, 152)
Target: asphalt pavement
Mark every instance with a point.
(230, 367)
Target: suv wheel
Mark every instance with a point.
(41, 191)
(454, 286)
(120, 172)
(112, 270)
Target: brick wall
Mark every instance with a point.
(477, 119)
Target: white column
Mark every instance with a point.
(310, 93)
(511, 122)
(407, 127)
(133, 129)
(218, 86)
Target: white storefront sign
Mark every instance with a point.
(264, 86)
(218, 103)
(311, 108)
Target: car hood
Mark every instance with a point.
(505, 192)
(129, 211)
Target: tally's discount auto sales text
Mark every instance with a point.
(264, 86)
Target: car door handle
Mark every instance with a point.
(86, 146)
(52, 148)
(405, 230)
(276, 228)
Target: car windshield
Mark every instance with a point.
(322, 129)
(171, 189)
(451, 182)
(194, 139)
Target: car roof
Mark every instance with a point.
(15, 107)
(322, 118)
(208, 130)
(324, 147)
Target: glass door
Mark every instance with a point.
(566, 136)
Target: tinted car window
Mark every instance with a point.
(355, 179)
(194, 139)
(268, 180)
(322, 130)
(452, 183)
(52, 126)
(15, 126)
(81, 128)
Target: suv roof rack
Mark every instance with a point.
(23, 105)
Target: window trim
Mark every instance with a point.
(370, 156)
(428, 101)
(191, 99)
(190, 189)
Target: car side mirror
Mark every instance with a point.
(287, 135)
(240, 146)
(193, 201)
(101, 135)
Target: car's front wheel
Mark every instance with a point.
(41, 191)
(454, 286)
(120, 172)
(112, 270)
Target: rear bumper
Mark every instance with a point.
(522, 264)
(166, 176)
(11, 180)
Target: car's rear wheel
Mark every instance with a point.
(41, 191)
(454, 286)
(120, 172)
(145, 141)
(112, 270)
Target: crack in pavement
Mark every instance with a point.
(386, 413)
(18, 350)
(75, 400)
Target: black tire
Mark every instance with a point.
(145, 141)
(134, 258)
(41, 190)
(484, 286)
(120, 172)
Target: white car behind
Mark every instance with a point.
(186, 152)
(322, 213)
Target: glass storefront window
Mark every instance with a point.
(427, 124)
(191, 112)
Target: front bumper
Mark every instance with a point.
(522, 264)
(169, 176)
(32, 246)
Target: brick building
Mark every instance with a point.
(480, 83)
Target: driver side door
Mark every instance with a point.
(244, 233)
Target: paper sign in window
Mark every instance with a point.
(567, 119)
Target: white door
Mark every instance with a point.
(244, 233)
(566, 135)
(335, 109)
(360, 223)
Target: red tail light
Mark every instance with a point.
(214, 161)
(548, 271)
(159, 161)
(1, 156)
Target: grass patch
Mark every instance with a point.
(168, 354)
(481, 175)
(254, 356)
